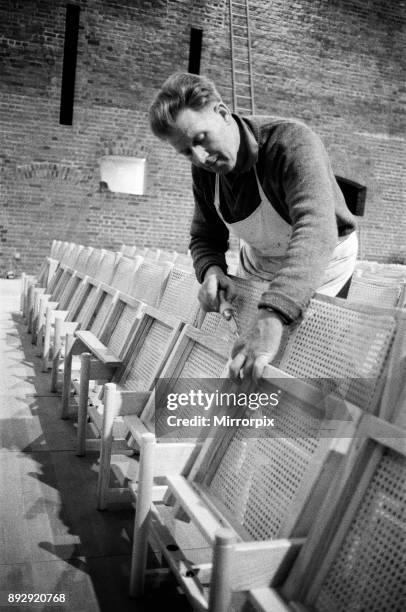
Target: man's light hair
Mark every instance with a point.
(181, 90)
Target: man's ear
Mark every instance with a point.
(224, 111)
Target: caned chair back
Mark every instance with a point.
(105, 268)
(124, 273)
(377, 292)
(183, 259)
(70, 253)
(83, 305)
(102, 310)
(167, 256)
(197, 362)
(117, 332)
(149, 280)
(345, 345)
(80, 264)
(179, 297)
(260, 477)
(354, 560)
(147, 350)
(127, 250)
(65, 268)
(56, 248)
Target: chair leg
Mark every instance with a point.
(67, 376)
(40, 324)
(29, 305)
(56, 354)
(30, 314)
(110, 410)
(40, 340)
(220, 587)
(35, 313)
(142, 516)
(34, 335)
(22, 294)
(47, 339)
(83, 400)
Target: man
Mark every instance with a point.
(268, 181)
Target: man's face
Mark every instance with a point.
(208, 137)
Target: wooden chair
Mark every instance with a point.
(354, 557)
(384, 293)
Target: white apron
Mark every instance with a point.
(265, 237)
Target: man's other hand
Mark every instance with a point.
(252, 353)
(214, 281)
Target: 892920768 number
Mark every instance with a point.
(19, 598)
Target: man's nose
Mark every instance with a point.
(199, 155)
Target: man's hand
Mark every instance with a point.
(259, 347)
(214, 281)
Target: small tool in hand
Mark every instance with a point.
(227, 310)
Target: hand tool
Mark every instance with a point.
(227, 310)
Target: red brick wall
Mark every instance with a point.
(335, 65)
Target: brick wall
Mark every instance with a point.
(336, 65)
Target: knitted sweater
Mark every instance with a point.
(295, 173)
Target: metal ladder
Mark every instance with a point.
(241, 67)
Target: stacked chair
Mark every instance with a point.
(306, 512)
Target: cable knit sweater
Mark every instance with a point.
(295, 173)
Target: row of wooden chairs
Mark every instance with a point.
(238, 512)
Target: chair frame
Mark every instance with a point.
(304, 581)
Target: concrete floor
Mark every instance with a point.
(52, 539)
